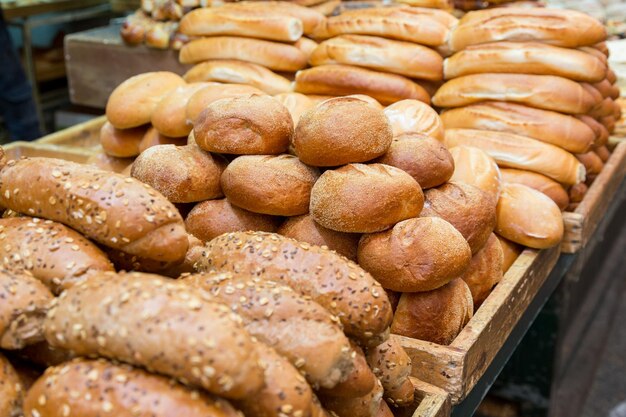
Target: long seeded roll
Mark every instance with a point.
(392, 366)
(11, 391)
(153, 322)
(359, 381)
(337, 284)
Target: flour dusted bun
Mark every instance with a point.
(539, 182)
(413, 116)
(485, 270)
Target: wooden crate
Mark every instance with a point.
(581, 224)
(85, 136)
(430, 401)
(16, 150)
(456, 368)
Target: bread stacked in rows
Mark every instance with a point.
(532, 88)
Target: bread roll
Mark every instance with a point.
(361, 198)
(413, 116)
(244, 125)
(305, 229)
(604, 87)
(577, 192)
(238, 72)
(547, 126)
(365, 406)
(165, 328)
(521, 152)
(592, 162)
(528, 217)
(601, 134)
(597, 97)
(546, 92)
(296, 103)
(392, 366)
(338, 80)
(11, 390)
(154, 138)
(340, 131)
(273, 55)
(170, 117)
(485, 270)
(109, 163)
(525, 58)
(360, 380)
(418, 254)
(603, 152)
(369, 100)
(310, 18)
(435, 4)
(277, 185)
(539, 182)
(398, 57)
(475, 167)
(131, 103)
(203, 98)
(436, 316)
(150, 227)
(510, 251)
(608, 122)
(559, 27)
(327, 8)
(121, 143)
(425, 159)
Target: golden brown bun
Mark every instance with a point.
(153, 138)
(413, 116)
(273, 55)
(305, 229)
(109, 163)
(475, 167)
(539, 182)
(277, 185)
(360, 380)
(244, 125)
(238, 72)
(521, 152)
(403, 58)
(340, 131)
(577, 192)
(340, 80)
(469, 209)
(203, 98)
(425, 159)
(121, 143)
(567, 28)
(211, 218)
(296, 103)
(392, 366)
(592, 162)
(604, 87)
(131, 103)
(365, 406)
(603, 152)
(327, 8)
(526, 58)
(436, 316)
(11, 390)
(309, 17)
(510, 250)
(546, 92)
(547, 126)
(183, 174)
(600, 132)
(418, 254)
(485, 270)
(170, 116)
(362, 198)
(528, 217)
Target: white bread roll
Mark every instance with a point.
(413, 116)
(475, 167)
(170, 115)
(539, 182)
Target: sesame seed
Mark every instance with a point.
(65, 410)
(92, 375)
(56, 174)
(107, 407)
(286, 408)
(41, 400)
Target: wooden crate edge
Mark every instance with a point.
(61, 136)
(50, 151)
(431, 401)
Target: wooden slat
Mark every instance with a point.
(83, 135)
(16, 150)
(429, 401)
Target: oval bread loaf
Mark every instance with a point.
(485, 270)
(475, 167)
(170, 115)
(310, 18)
(121, 143)
(539, 182)
(510, 251)
(360, 380)
(203, 98)
(413, 116)
(392, 366)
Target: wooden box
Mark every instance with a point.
(85, 136)
(16, 150)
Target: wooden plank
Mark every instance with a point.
(83, 135)
(429, 401)
(16, 150)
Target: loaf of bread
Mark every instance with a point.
(516, 151)
(600, 132)
(592, 162)
(154, 138)
(327, 8)
(310, 18)
(418, 254)
(577, 192)
(475, 167)
(150, 321)
(528, 217)
(109, 163)
(340, 80)
(213, 92)
(11, 390)
(392, 366)
(603, 152)
(485, 270)
(121, 143)
(339, 285)
(296, 103)
(510, 252)
(547, 126)
(413, 116)
(170, 115)
(364, 406)
(369, 100)
(539, 182)
(340, 131)
(131, 103)
(386, 55)
(358, 198)
(604, 87)
(360, 380)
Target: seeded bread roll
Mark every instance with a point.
(392, 366)
(11, 390)
(337, 284)
(132, 103)
(340, 131)
(97, 204)
(413, 116)
(309, 17)
(277, 185)
(245, 125)
(296, 103)
(418, 254)
(121, 143)
(364, 406)
(436, 316)
(539, 182)
(154, 138)
(90, 388)
(485, 270)
(510, 251)
(305, 229)
(360, 380)
(109, 163)
(359, 198)
(170, 115)
(203, 98)
(165, 328)
(425, 159)
(475, 167)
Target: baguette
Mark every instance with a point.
(360, 380)
(592, 162)
(392, 366)
(600, 132)
(307, 46)
(539, 182)
(97, 204)
(11, 390)
(164, 328)
(413, 116)
(213, 92)
(475, 167)
(170, 116)
(310, 18)
(121, 143)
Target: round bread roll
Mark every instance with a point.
(201, 99)
(153, 138)
(422, 157)
(601, 134)
(510, 251)
(528, 217)
(370, 100)
(362, 198)
(121, 143)
(244, 125)
(475, 167)
(603, 152)
(211, 218)
(577, 192)
(592, 162)
(485, 270)
(436, 316)
(305, 229)
(109, 163)
(469, 209)
(539, 182)
(418, 254)
(183, 174)
(170, 115)
(413, 116)
(277, 185)
(340, 131)
(296, 103)
(131, 103)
